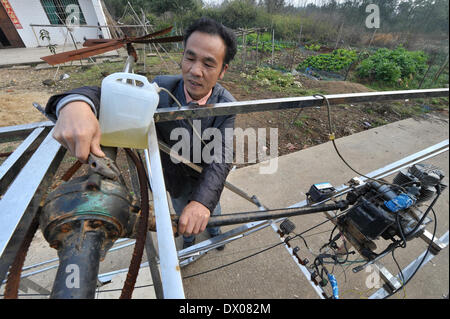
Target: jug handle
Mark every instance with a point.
(129, 76)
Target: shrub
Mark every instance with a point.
(393, 65)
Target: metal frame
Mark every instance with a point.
(392, 281)
(231, 108)
(20, 200)
(190, 254)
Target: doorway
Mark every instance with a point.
(9, 37)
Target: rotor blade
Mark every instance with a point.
(92, 42)
(82, 53)
(176, 38)
(152, 35)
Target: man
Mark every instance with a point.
(208, 49)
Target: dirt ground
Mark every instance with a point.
(18, 90)
(297, 129)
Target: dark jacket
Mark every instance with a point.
(210, 183)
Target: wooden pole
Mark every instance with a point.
(339, 36)
(143, 31)
(300, 36)
(244, 47)
(295, 47)
(373, 36)
(273, 44)
(257, 46)
(426, 73)
(438, 73)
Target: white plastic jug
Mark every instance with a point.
(126, 110)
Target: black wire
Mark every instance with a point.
(304, 240)
(399, 268)
(400, 228)
(438, 188)
(332, 138)
(421, 262)
(236, 261)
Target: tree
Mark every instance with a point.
(239, 13)
(177, 6)
(273, 6)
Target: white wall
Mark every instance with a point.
(31, 12)
(101, 18)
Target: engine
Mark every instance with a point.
(391, 210)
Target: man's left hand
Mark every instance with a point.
(193, 219)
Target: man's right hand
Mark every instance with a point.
(78, 130)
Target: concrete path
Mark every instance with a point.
(24, 56)
(273, 274)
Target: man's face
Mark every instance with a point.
(202, 63)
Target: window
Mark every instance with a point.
(57, 14)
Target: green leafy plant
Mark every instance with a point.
(332, 62)
(267, 76)
(264, 43)
(44, 34)
(312, 47)
(390, 66)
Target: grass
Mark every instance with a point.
(300, 123)
(92, 75)
(379, 122)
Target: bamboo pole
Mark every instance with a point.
(257, 45)
(438, 73)
(273, 44)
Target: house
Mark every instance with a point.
(22, 22)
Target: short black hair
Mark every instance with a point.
(213, 27)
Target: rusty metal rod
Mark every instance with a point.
(127, 290)
(12, 285)
(246, 217)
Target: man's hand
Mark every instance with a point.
(78, 130)
(193, 219)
